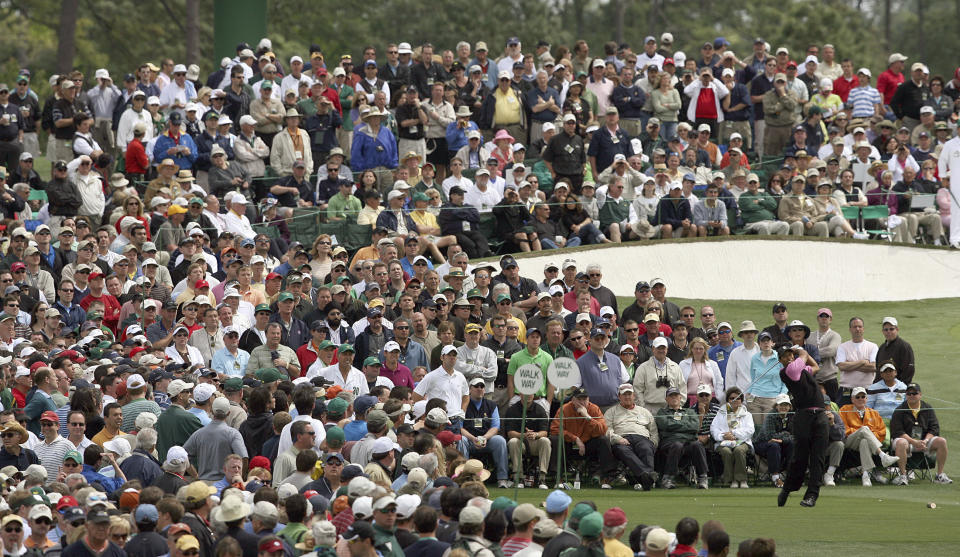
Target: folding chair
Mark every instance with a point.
(876, 213)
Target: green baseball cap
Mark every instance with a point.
(371, 361)
(74, 456)
(262, 307)
(285, 296)
(420, 196)
(580, 510)
(591, 525)
(502, 503)
(335, 435)
(233, 384)
(336, 407)
(324, 344)
(345, 347)
(474, 293)
(502, 297)
(196, 200)
(94, 315)
(267, 374)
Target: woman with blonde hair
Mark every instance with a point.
(320, 259)
(132, 207)
(119, 531)
(698, 370)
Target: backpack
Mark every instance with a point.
(474, 548)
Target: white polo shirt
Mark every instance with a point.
(451, 387)
(356, 381)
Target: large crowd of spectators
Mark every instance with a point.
(181, 377)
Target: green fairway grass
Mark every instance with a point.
(848, 519)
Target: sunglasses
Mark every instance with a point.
(11, 529)
(10, 435)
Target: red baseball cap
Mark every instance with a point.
(51, 416)
(18, 266)
(669, 61)
(95, 273)
(271, 545)
(614, 517)
(260, 462)
(271, 276)
(73, 355)
(201, 284)
(137, 350)
(448, 438)
(177, 528)
(66, 502)
(36, 366)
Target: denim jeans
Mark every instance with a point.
(497, 448)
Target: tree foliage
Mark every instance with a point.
(121, 34)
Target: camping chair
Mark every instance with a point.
(852, 214)
(876, 213)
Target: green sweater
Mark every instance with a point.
(343, 208)
(386, 542)
(677, 426)
(755, 207)
(613, 210)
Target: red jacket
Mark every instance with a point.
(111, 313)
(136, 158)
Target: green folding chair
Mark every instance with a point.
(876, 213)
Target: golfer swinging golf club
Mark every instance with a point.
(810, 428)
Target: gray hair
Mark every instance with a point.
(500, 288)
(429, 463)
(147, 439)
(176, 466)
(613, 531)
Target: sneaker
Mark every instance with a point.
(605, 485)
(942, 478)
(743, 485)
(521, 485)
(861, 236)
(901, 479)
(734, 485)
(505, 484)
(888, 459)
(866, 480)
(878, 477)
(702, 482)
(911, 475)
(828, 480)
(667, 483)
(638, 487)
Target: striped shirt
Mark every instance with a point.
(863, 99)
(133, 409)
